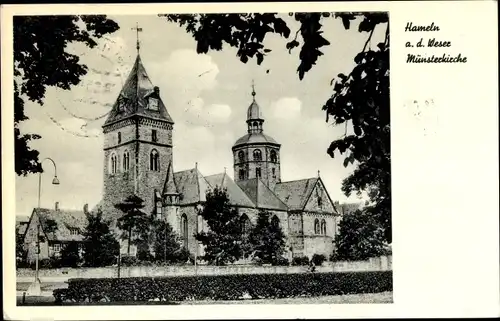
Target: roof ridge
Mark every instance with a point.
(274, 194)
(310, 192)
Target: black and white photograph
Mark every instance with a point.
(246, 160)
(200, 158)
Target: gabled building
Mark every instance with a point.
(57, 227)
(138, 158)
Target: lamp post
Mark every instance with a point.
(34, 288)
(199, 209)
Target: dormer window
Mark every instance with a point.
(153, 103)
(121, 103)
(74, 231)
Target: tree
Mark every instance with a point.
(267, 239)
(20, 250)
(166, 244)
(134, 222)
(70, 255)
(360, 98)
(223, 241)
(41, 60)
(360, 237)
(100, 248)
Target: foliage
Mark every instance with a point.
(360, 237)
(41, 60)
(20, 250)
(134, 223)
(70, 255)
(361, 97)
(100, 248)
(267, 239)
(223, 287)
(166, 244)
(300, 260)
(318, 259)
(223, 242)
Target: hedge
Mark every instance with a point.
(223, 287)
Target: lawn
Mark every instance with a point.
(383, 297)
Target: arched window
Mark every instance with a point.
(258, 172)
(245, 224)
(273, 170)
(257, 155)
(184, 231)
(154, 163)
(241, 156)
(255, 125)
(323, 227)
(316, 226)
(275, 221)
(126, 161)
(241, 174)
(274, 156)
(113, 164)
(119, 137)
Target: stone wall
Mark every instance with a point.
(62, 275)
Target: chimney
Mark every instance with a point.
(157, 90)
(86, 208)
(57, 206)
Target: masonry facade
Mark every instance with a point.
(138, 159)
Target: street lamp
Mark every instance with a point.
(34, 288)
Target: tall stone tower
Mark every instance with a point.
(256, 155)
(137, 144)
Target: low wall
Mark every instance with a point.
(383, 263)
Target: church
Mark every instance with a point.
(138, 159)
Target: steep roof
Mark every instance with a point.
(170, 187)
(261, 195)
(346, 208)
(191, 185)
(65, 220)
(236, 195)
(295, 193)
(255, 138)
(133, 97)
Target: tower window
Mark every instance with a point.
(153, 103)
(158, 209)
(119, 137)
(241, 174)
(273, 170)
(154, 138)
(154, 160)
(257, 172)
(257, 155)
(323, 227)
(126, 161)
(113, 164)
(241, 156)
(184, 231)
(316, 226)
(274, 157)
(320, 201)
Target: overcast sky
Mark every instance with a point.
(207, 97)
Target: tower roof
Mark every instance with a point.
(170, 188)
(253, 112)
(133, 98)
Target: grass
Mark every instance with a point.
(383, 297)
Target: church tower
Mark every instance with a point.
(256, 155)
(137, 143)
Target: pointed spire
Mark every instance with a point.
(137, 29)
(170, 187)
(253, 90)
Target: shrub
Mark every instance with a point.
(282, 261)
(223, 287)
(318, 259)
(300, 260)
(130, 261)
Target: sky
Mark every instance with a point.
(207, 96)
